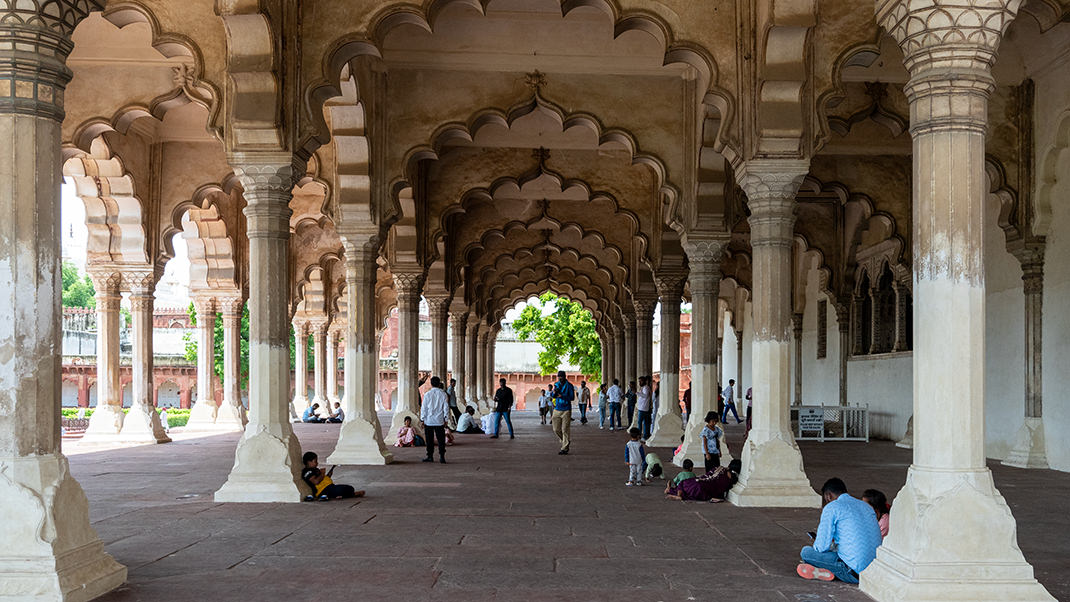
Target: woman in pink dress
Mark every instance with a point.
(406, 434)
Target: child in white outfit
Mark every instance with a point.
(633, 457)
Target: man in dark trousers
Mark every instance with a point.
(562, 395)
(434, 412)
(503, 404)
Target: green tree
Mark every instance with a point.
(77, 287)
(566, 332)
(217, 340)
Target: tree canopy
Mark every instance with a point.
(77, 287)
(567, 331)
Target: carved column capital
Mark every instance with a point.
(231, 306)
(670, 287)
(458, 320)
(438, 307)
(318, 327)
(139, 282)
(361, 246)
(204, 305)
(409, 285)
(771, 186)
(267, 184)
(107, 285)
(644, 307)
(629, 322)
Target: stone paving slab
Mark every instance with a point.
(503, 520)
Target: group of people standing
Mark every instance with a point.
(642, 399)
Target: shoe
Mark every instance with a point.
(629, 484)
(562, 452)
(611, 429)
(601, 428)
(639, 484)
(494, 436)
(442, 459)
(739, 422)
(310, 498)
(566, 451)
(324, 498)
(809, 571)
(428, 459)
(512, 436)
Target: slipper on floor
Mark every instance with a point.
(809, 571)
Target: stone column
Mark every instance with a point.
(492, 350)
(772, 465)
(458, 326)
(608, 345)
(644, 336)
(319, 365)
(439, 309)
(901, 293)
(843, 324)
(667, 430)
(267, 462)
(796, 333)
(203, 413)
(472, 363)
(231, 413)
(704, 260)
(738, 391)
(142, 425)
(481, 368)
(53, 553)
(360, 439)
(618, 359)
(952, 536)
(1029, 449)
(408, 286)
(300, 399)
(629, 351)
(107, 418)
(874, 317)
(332, 367)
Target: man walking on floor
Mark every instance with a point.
(730, 402)
(434, 412)
(562, 395)
(503, 404)
(585, 400)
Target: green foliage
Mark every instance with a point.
(217, 344)
(77, 287)
(310, 351)
(175, 416)
(567, 332)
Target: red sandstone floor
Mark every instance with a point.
(505, 520)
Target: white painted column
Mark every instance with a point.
(472, 363)
(360, 439)
(300, 400)
(203, 413)
(319, 365)
(667, 429)
(51, 551)
(332, 367)
(459, 326)
(618, 359)
(796, 337)
(772, 464)
(107, 418)
(231, 414)
(142, 425)
(629, 352)
(644, 336)
(952, 535)
(481, 369)
(1029, 449)
(408, 286)
(439, 308)
(267, 462)
(704, 260)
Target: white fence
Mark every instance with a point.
(831, 423)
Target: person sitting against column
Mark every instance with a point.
(323, 487)
(847, 537)
(879, 502)
(710, 487)
(687, 473)
(434, 412)
(406, 434)
(310, 414)
(467, 424)
(337, 415)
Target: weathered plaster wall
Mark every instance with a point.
(821, 377)
(886, 383)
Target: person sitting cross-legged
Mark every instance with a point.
(467, 425)
(847, 537)
(323, 487)
(310, 414)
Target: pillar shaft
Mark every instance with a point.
(772, 465)
(843, 324)
(618, 355)
(472, 363)
(408, 286)
(667, 424)
(439, 310)
(796, 335)
(142, 424)
(231, 413)
(319, 367)
(481, 366)
(360, 439)
(1030, 450)
(267, 461)
(332, 367)
(203, 414)
(704, 260)
(608, 345)
(629, 352)
(644, 335)
(953, 536)
(107, 418)
(300, 400)
(51, 552)
(459, 326)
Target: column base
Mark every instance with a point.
(360, 442)
(953, 538)
(907, 442)
(324, 409)
(202, 416)
(104, 425)
(398, 421)
(1029, 450)
(267, 468)
(143, 426)
(692, 448)
(667, 431)
(55, 553)
(773, 475)
(231, 417)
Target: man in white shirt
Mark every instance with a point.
(729, 402)
(644, 404)
(434, 412)
(467, 424)
(614, 396)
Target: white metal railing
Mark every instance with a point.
(831, 423)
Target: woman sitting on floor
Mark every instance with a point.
(710, 487)
(406, 434)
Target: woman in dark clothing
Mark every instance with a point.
(710, 487)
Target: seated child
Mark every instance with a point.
(406, 434)
(687, 473)
(879, 501)
(654, 469)
(323, 487)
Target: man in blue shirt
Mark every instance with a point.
(562, 395)
(847, 537)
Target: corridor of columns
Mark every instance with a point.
(888, 172)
